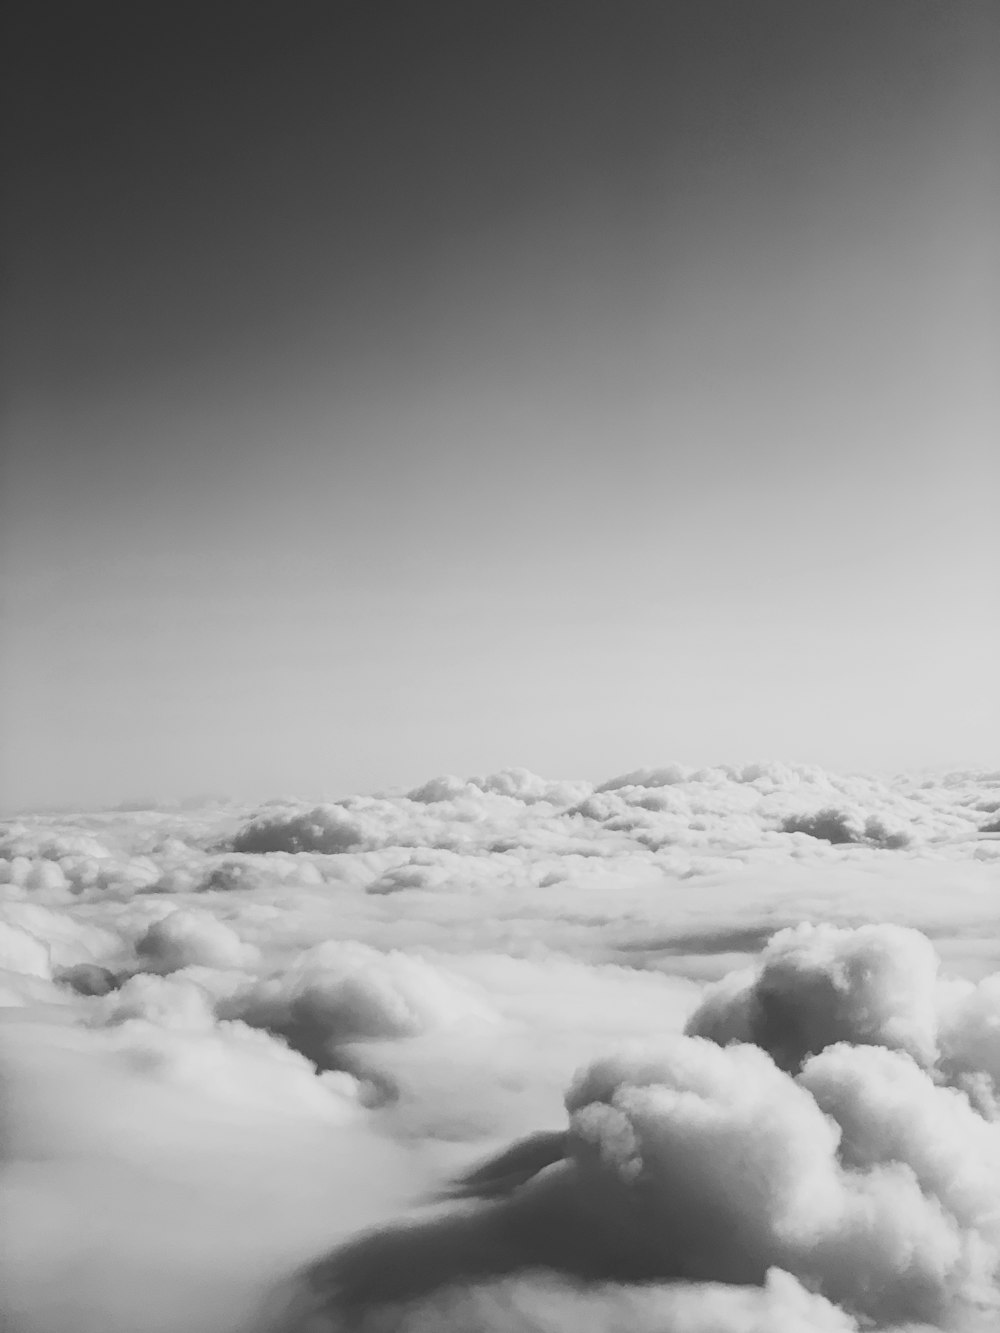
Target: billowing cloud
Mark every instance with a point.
(696, 1163)
(324, 828)
(189, 936)
(338, 997)
(816, 985)
(838, 825)
(806, 1126)
(550, 1303)
(89, 978)
(507, 1052)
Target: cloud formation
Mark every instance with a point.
(189, 936)
(507, 1052)
(816, 985)
(697, 1163)
(807, 1124)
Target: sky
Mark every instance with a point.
(398, 389)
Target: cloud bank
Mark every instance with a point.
(693, 1050)
(857, 1164)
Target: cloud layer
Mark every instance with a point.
(695, 1050)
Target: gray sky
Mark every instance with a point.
(398, 389)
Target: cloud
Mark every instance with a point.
(803, 1124)
(240, 874)
(159, 1180)
(969, 1038)
(182, 1000)
(890, 1111)
(88, 979)
(550, 1303)
(668, 776)
(324, 828)
(519, 784)
(839, 826)
(190, 936)
(226, 1059)
(690, 1164)
(22, 952)
(816, 985)
(721, 1166)
(338, 997)
(523, 785)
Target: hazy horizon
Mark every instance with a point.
(396, 390)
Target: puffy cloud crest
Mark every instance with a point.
(189, 937)
(340, 994)
(324, 828)
(802, 1124)
(818, 984)
(730, 1166)
(518, 784)
(669, 776)
(696, 1163)
(772, 811)
(839, 826)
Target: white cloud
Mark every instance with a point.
(158, 1179)
(190, 936)
(234, 1039)
(695, 1163)
(337, 995)
(552, 1304)
(817, 984)
(324, 828)
(22, 952)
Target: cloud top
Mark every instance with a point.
(816, 985)
(658, 1033)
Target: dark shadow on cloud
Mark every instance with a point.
(231, 876)
(89, 979)
(815, 1118)
(328, 1038)
(326, 828)
(815, 986)
(841, 827)
(550, 1222)
(327, 1054)
(515, 1166)
(747, 940)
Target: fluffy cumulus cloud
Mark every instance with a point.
(337, 997)
(548, 1303)
(692, 1163)
(724, 1166)
(324, 828)
(817, 984)
(700, 1050)
(837, 825)
(189, 936)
